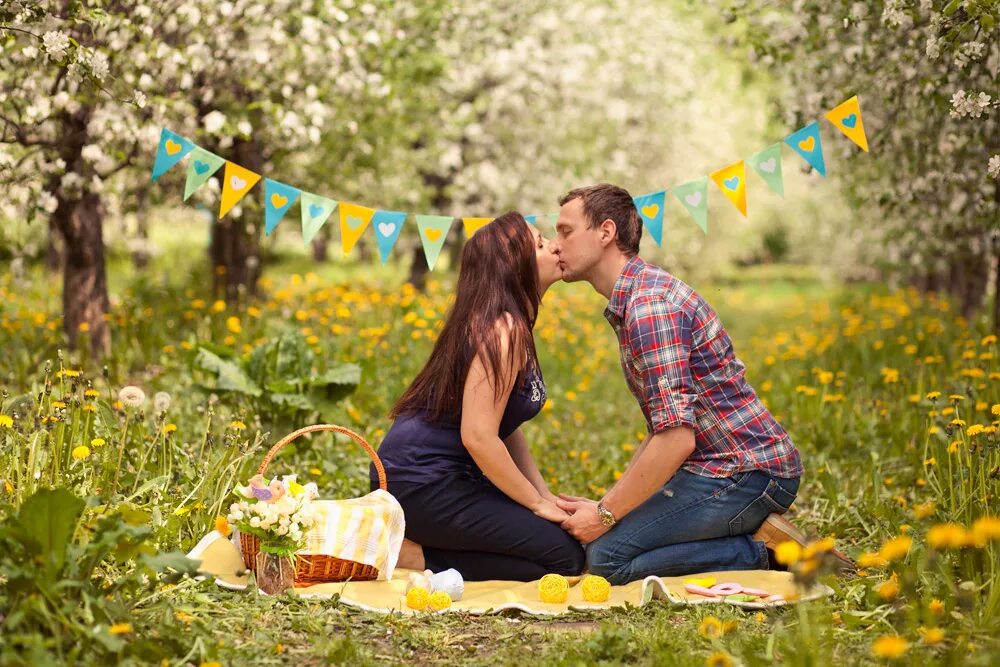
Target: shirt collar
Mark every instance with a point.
(623, 287)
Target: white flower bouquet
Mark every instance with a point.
(279, 513)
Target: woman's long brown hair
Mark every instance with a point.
(498, 275)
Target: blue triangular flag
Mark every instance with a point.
(172, 149)
(387, 226)
(807, 143)
(651, 211)
(278, 198)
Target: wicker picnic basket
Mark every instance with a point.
(317, 568)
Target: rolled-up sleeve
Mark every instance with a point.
(659, 335)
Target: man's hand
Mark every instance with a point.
(584, 524)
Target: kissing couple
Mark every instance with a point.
(706, 489)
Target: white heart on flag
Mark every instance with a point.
(768, 166)
(237, 183)
(693, 199)
(386, 228)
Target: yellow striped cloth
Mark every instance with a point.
(366, 530)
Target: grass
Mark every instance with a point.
(851, 373)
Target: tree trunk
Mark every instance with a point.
(996, 293)
(418, 267)
(234, 251)
(140, 247)
(85, 287)
(320, 248)
(977, 280)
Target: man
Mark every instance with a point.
(715, 466)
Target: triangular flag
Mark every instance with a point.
(387, 226)
(532, 219)
(354, 219)
(807, 143)
(433, 231)
(315, 211)
(651, 211)
(236, 182)
(553, 218)
(693, 195)
(732, 180)
(767, 164)
(201, 166)
(278, 198)
(172, 149)
(847, 118)
(473, 225)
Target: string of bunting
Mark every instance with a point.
(355, 219)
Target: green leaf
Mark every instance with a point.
(298, 401)
(229, 376)
(343, 374)
(952, 6)
(987, 22)
(46, 523)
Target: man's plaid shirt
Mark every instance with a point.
(680, 365)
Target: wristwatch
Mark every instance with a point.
(607, 518)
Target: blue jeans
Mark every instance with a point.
(693, 524)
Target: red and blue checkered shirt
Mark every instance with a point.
(680, 365)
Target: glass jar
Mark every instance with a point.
(275, 573)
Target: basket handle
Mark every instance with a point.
(326, 427)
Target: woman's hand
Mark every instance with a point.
(547, 509)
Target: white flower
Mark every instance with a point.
(47, 202)
(55, 43)
(132, 396)
(993, 168)
(92, 153)
(99, 65)
(139, 98)
(255, 522)
(213, 121)
(161, 401)
(973, 105)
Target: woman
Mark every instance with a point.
(455, 457)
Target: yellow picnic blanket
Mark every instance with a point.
(222, 559)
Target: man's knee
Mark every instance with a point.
(602, 561)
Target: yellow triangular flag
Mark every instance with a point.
(236, 182)
(846, 117)
(732, 180)
(354, 220)
(472, 225)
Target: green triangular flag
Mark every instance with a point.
(767, 164)
(201, 166)
(694, 196)
(315, 211)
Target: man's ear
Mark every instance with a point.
(609, 231)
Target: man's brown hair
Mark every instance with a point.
(605, 201)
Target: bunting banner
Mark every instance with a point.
(767, 164)
(388, 225)
(236, 182)
(846, 117)
(433, 231)
(732, 181)
(201, 167)
(315, 210)
(473, 225)
(172, 149)
(651, 211)
(693, 196)
(354, 220)
(807, 143)
(278, 198)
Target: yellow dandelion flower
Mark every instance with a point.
(58, 404)
(719, 659)
(887, 590)
(946, 536)
(169, 428)
(974, 430)
(237, 425)
(995, 409)
(97, 442)
(896, 548)
(869, 559)
(222, 526)
(931, 636)
(6, 421)
(953, 447)
(233, 324)
(933, 395)
(788, 553)
(986, 528)
(120, 629)
(81, 452)
(710, 627)
(923, 510)
(218, 306)
(936, 607)
(890, 646)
